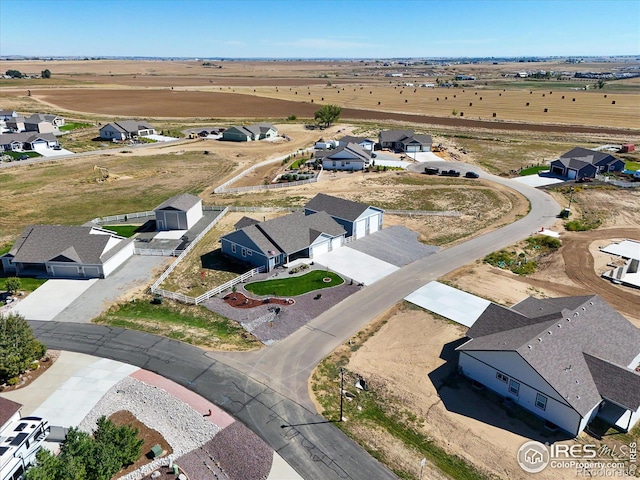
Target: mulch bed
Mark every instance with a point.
(240, 300)
(30, 375)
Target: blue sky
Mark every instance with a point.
(319, 28)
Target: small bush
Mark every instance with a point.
(13, 381)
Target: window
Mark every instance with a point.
(249, 252)
(244, 252)
(502, 377)
(514, 387)
(233, 248)
(541, 401)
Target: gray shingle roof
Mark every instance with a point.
(296, 231)
(182, 202)
(336, 207)
(554, 339)
(245, 222)
(394, 135)
(353, 149)
(351, 139)
(615, 382)
(130, 126)
(589, 156)
(42, 243)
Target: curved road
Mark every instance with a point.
(267, 389)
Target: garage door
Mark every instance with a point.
(91, 272)
(68, 271)
(360, 230)
(571, 174)
(373, 224)
(413, 148)
(320, 248)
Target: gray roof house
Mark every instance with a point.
(7, 115)
(358, 219)
(582, 162)
(66, 251)
(568, 360)
(26, 141)
(181, 212)
(280, 240)
(404, 141)
(364, 142)
(347, 157)
(125, 129)
(249, 133)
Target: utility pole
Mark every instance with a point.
(341, 390)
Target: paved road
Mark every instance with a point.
(307, 441)
(287, 365)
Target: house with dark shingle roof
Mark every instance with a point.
(568, 360)
(250, 133)
(179, 213)
(61, 251)
(404, 141)
(582, 162)
(358, 219)
(284, 239)
(365, 143)
(9, 412)
(125, 129)
(26, 141)
(347, 157)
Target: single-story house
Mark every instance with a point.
(348, 157)
(326, 144)
(66, 251)
(179, 213)
(365, 143)
(582, 162)
(37, 123)
(404, 141)
(567, 360)
(281, 240)
(125, 129)
(15, 124)
(6, 115)
(250, 133)
(358, 219)
(26, 141)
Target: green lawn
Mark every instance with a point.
(122, 230)
(68, 126)
(26, 284)
(292, 286)
(631, 165)
(16, 155)
(533, 170)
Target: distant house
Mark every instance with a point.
(322, 227)
(126, 129)
(249, 133)
(581, 162)
(26, 141)
(6, 115)
(37, 123)
(348, 157)
(365, 143)
(59, 251)
(567, 360)
(358, 219)
(179, 213)
(15, 124)
(404, 141)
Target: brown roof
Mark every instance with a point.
(7, 409)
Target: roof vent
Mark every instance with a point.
(590, 303)
(583, 309)
(539, 339)
(549, 332)
(576, 314)
(529, 347)
(577, 382)
(568, 319)
(559, 325)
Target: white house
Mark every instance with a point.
(567, 360)
(250, 133)
(358, 219)
(61, 251)
(179, 213)
(125, 129)
(348, 157)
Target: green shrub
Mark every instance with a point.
(13, 381)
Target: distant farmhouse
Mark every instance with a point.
(126, 129)
(404, 141)
(60, 251)
(582, 162)
(568, 360)
(250, 133)
(322, 227)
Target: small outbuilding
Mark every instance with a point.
(179, 213)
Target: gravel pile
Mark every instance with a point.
(182, 427)
(236, 453)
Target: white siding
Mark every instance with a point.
(320, 248)
(194, 214)
(118, 259)
(359, 228)
(484, 366)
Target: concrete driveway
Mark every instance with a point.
(52, 298)
(355, 265)
(50, 152)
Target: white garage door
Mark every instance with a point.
(360, 230)
(413, 148)
(571, 174)
(373, 224)
(320, 248)
(68, 271)
(91, 272)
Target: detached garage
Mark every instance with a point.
(356, 218)
(58, 251)
(179, 213)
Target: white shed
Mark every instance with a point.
(179, 213)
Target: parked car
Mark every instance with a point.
(450, 173)
(584, 180)
(57, 147)
(431, 170)
(471, 175)
(23, 157)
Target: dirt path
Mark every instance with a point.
(580, 268)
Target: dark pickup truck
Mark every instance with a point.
(449, 173)
(431, 170)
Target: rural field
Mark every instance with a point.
(401, 353)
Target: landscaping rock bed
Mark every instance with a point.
(240, 300)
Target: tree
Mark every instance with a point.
(46, 73)
(601, 84)
(328, 114)
(18, 347)
(14, 73)
(12, 285)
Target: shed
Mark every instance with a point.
(179, 213)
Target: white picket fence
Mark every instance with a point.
(184, 253)
(123, 217)
(222, 188)
(437, 213)
(156, 252)
(270, 186)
